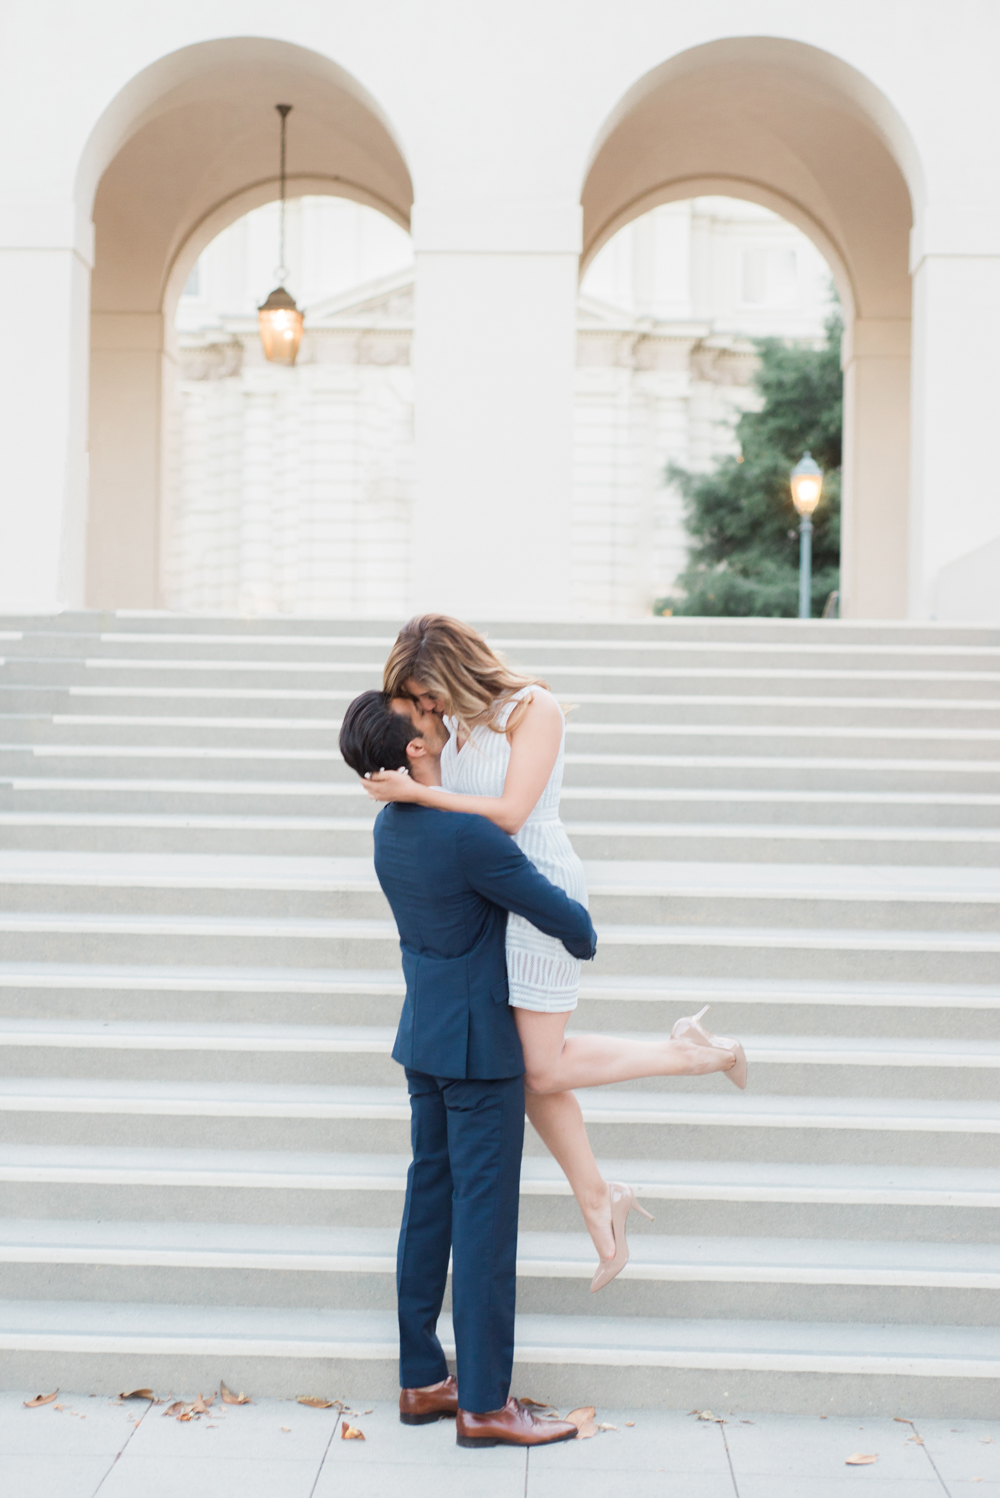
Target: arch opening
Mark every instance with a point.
(187, 148)
(289, 490)
(797, 131)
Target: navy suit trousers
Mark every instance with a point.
(461, 1200)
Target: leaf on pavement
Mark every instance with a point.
(137, 1394)
(32, 1404)
(861, 1459)
(351, 1433)
(201, 1404)
(607, 1427)
(583, 1419)
(315, 1401)
(228, 1397)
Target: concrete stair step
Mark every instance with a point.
(634, 649)
(252, 1115)
(648, 891)
(321, 773)
(350, 836)
(641, 950)
(707, 1197)
(359, 1054)
(947, 674)
(351, 1267)
(122, 991)
(638, 812)
(101, 1345)
(588, 726)
(152, 622)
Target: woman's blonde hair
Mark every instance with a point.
(452, 661)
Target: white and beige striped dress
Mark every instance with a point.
(541, 973)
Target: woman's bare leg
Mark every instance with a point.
(558, 1121)
(555, 1063)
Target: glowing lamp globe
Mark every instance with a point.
(280, 324)
(807, 484)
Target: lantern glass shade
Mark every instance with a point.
(280, 327)
(807, 484)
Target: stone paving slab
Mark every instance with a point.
(82, 1446)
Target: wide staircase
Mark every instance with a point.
(203, 1138)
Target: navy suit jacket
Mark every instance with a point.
(451, 878)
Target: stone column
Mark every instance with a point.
(45, 262)
(876, 469)
(130, 376)
(955, 519)
(495, 333)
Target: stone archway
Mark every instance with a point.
(798, 131)
(185, 149)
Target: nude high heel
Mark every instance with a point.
(690, 1028)
(623, 1201)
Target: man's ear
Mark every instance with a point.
(416, 749)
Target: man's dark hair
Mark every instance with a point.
(373, 737)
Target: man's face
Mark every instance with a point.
(427, 724)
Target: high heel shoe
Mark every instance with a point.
(623, 1201)
(690, 1028)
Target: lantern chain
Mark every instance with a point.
(284, 110)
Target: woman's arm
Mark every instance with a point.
(534, 747)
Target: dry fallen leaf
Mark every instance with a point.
(902, 1420)
(915, 1440)
(583, 1419)
(185, 1415)
(228, 1397)
(137, 1394)
(315, 1401)
(750, 1422)
(704, 1414)
(607, 1427)
(351, 1433)
(287, 1429)
(630, 1422)
(174, 1409)
(32, 1404)
(861, 1459)
(200, 1406)
(536, 1404)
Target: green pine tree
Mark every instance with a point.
(744, 557)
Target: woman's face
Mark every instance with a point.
(425, 701)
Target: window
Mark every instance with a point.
(193, 287)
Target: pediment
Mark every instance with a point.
(385, 303)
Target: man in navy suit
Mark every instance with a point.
(451, 878)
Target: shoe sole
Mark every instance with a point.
(427, 1419)
(570, 1435)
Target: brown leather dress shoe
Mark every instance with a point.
(514, 1425)
(422, 1406)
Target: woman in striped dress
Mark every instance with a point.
(504, 760)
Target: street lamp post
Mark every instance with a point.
(807, 486)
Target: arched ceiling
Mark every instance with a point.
(782, 124)
(199, 131)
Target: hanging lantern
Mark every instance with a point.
(280, 327)
(279, 320)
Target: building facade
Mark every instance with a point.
(512, 142)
